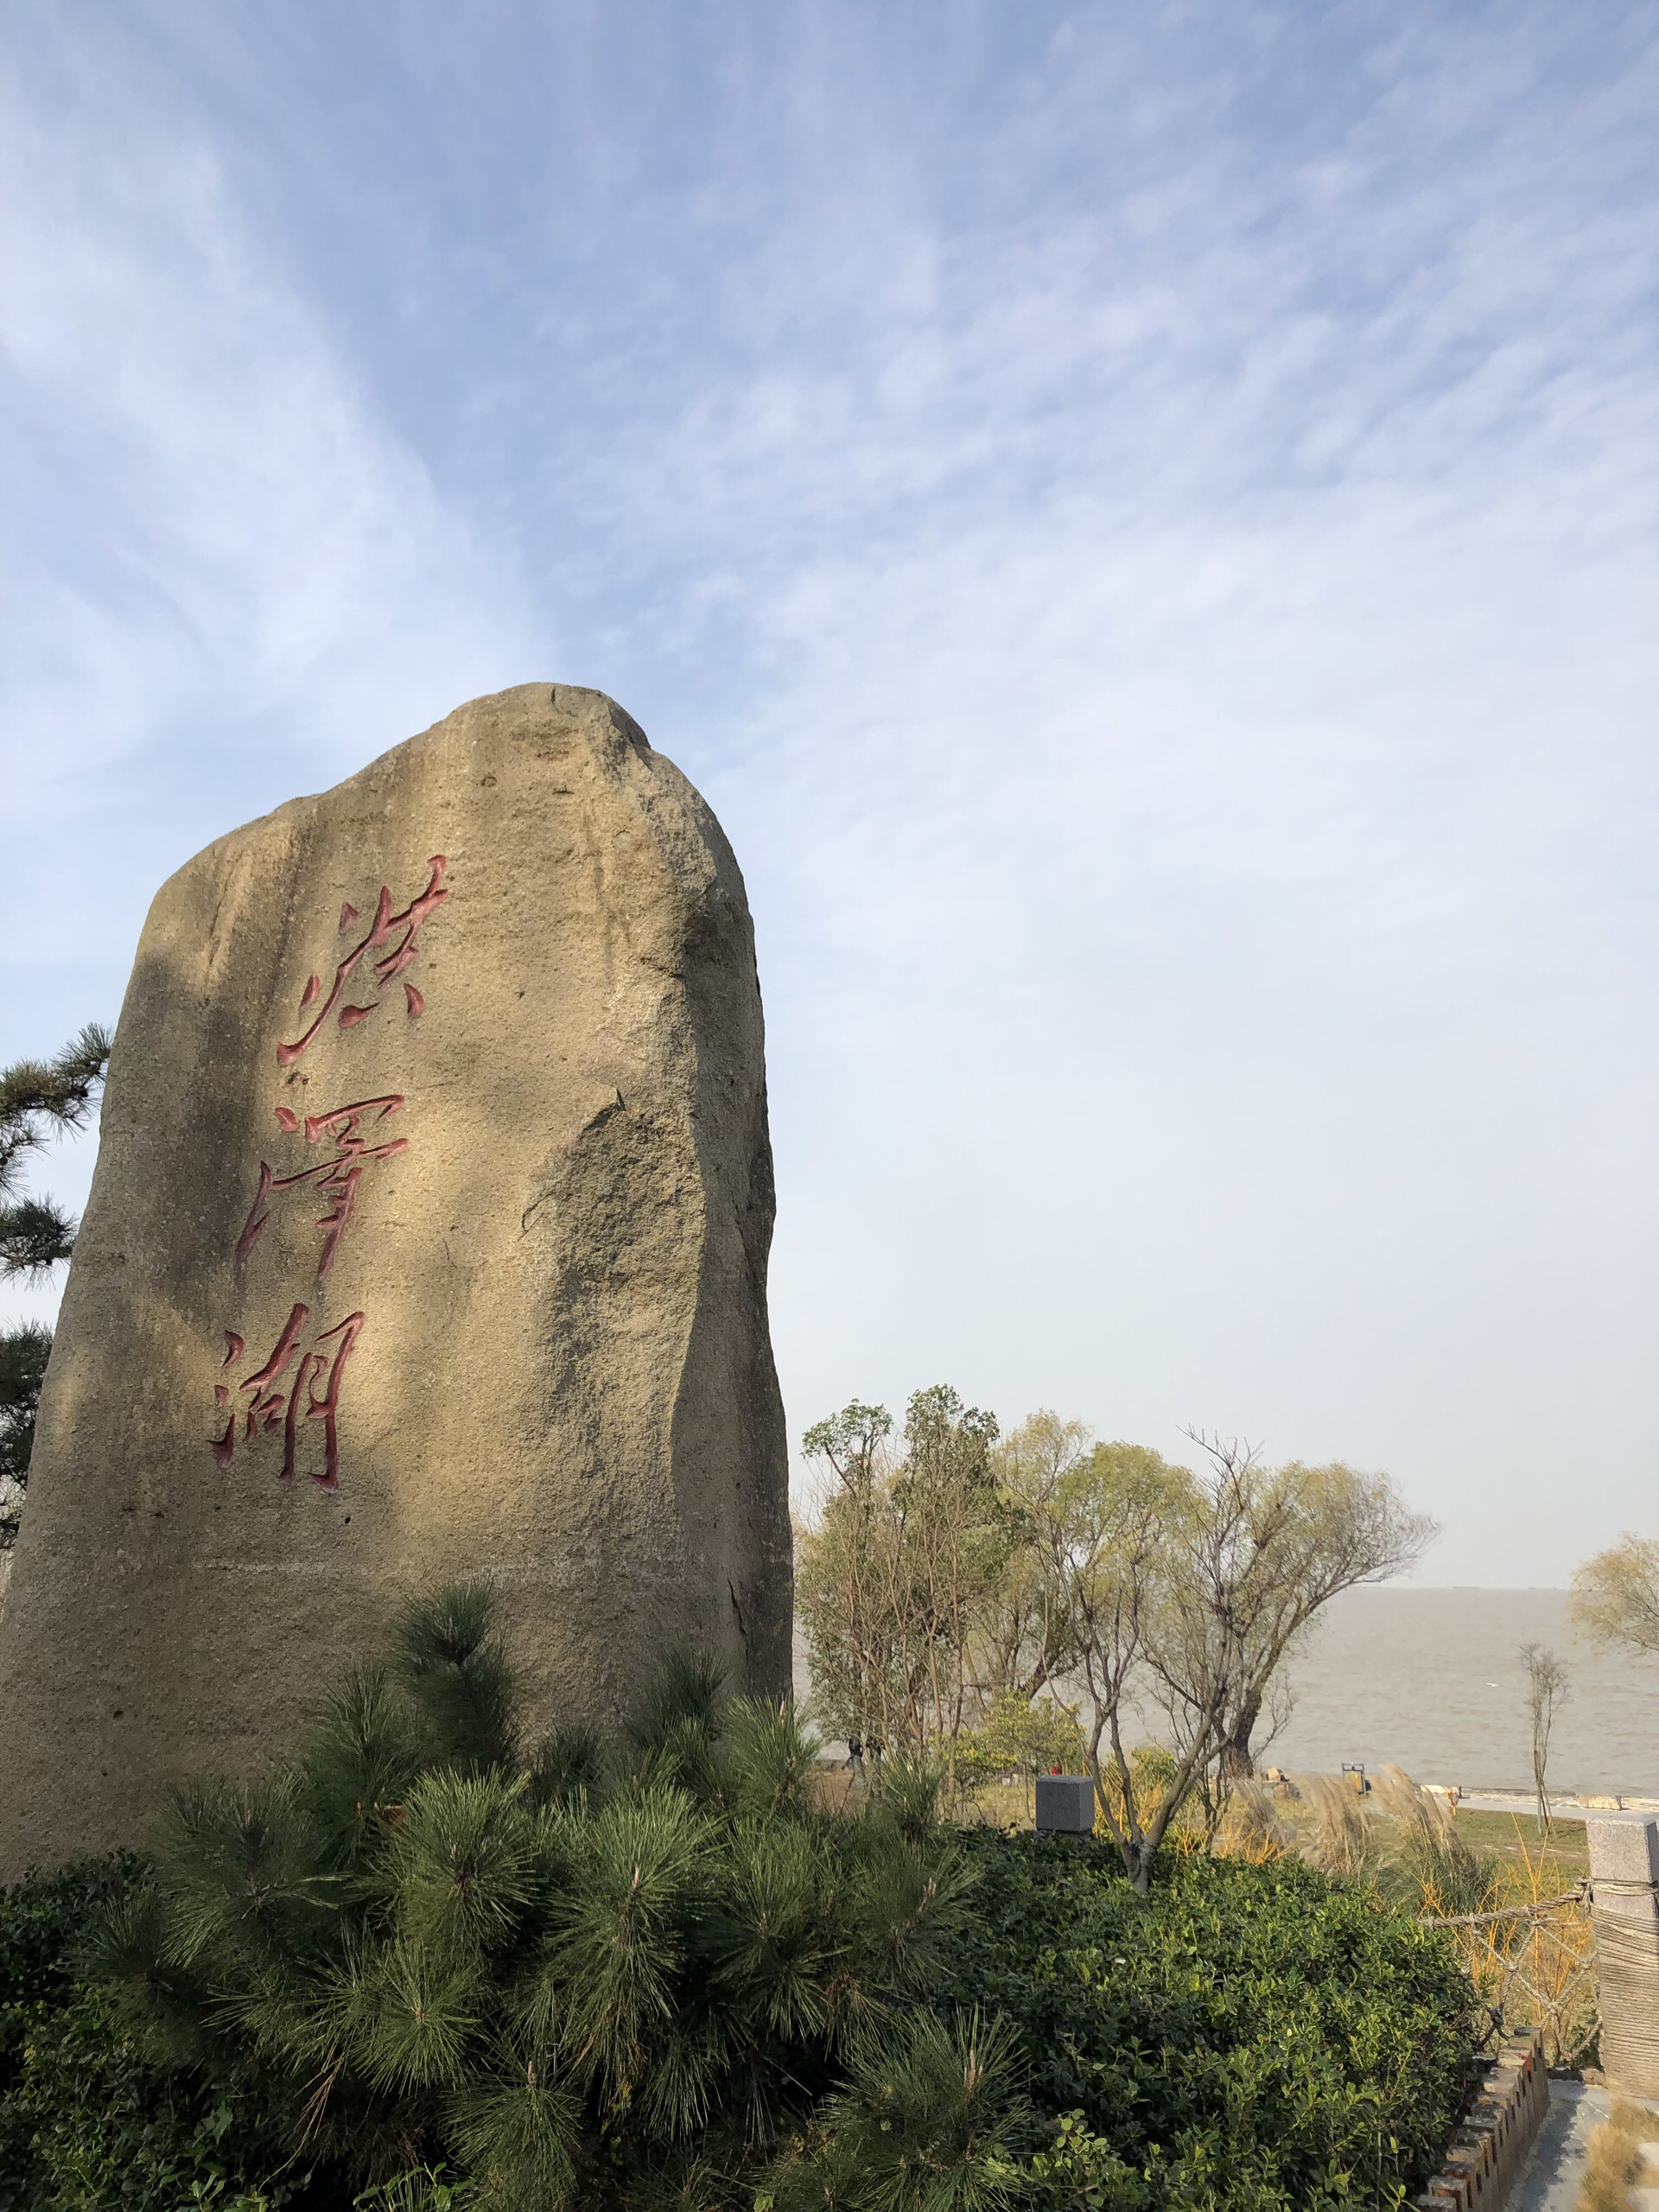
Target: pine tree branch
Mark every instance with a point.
(35, 1234)
(63, 1090)
(23, 1353)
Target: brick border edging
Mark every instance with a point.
(1490, 2144)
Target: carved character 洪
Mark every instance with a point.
(380, 933)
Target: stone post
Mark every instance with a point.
(1066, 1804)
(1625, 1903)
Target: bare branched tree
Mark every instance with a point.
(1269, 1547)
(1547, 1687)
(1199, 1586)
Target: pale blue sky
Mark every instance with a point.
(1141, 521)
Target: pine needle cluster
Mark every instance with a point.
(24, 1351)
(37, 1098)
(651, 1970)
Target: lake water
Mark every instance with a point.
(1429, 1680)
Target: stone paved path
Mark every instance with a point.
(1549, 2180)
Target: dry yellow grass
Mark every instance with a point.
(1538, 1968)
(1251, 1826)
(1611, 2166)
(1336, 1832)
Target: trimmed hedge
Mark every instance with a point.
(1249, 2038)
(1253, 2037)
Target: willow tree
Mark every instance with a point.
(1106, 1529)
(1025, 1639)
(1616, 1594)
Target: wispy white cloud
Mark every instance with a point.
(232, 559)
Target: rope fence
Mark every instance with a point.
(1535, 1966)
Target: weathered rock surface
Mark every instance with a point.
(429, 1239)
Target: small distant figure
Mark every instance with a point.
(856, 1757)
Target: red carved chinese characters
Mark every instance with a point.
(267, 1406)
(386, 925)
(336, 1180)
(300, 1380)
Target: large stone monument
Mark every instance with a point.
(428, 1241)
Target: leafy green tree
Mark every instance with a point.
(947, 1493)
(38, 1099)
(848, 1578)
(892, 1584)
(1025, 1738)
(573, 1976)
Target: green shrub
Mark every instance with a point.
(428, 1947)
(430, 1968)
(1251, 2036)
(85, 2119)
(40, 1920)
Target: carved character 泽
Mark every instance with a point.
(336, 1180)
